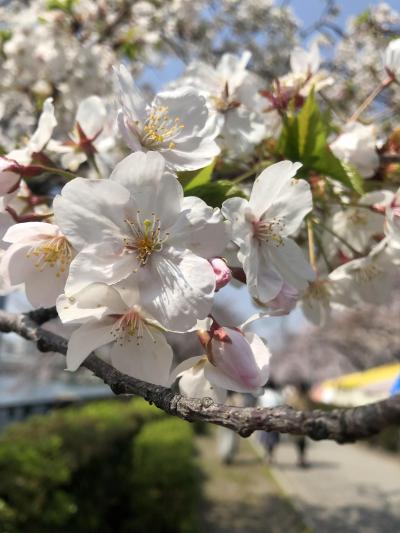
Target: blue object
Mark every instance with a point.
(396, 387)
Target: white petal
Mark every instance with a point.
(44, 131)
(150, 359)
(289, 261)
(177, 289)
(90, 211)
(154, 191)
(86, 339)
(95, 301)
(91, 116)
(30, 231)
(269, 184)
(98, 264)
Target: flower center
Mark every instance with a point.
(130, 325)
(269, 231)
(160, 127)
(366, 273)
(358, 218)
(225, 101)
(318, 290)
(53, 252)
(146, 237)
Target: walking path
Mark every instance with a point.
(348, 488)
(242, 497)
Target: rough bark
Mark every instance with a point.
(341, 425)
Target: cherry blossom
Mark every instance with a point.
(39, 256)
(173, 124)
(356, 145)
(112, 315)
(138, 227)
(88, 138)
(261, 228)
(233, 98)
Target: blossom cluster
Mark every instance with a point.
(134, 221)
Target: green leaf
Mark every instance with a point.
(355, 177)
(195, 178)
(304, 138)
(215, 193)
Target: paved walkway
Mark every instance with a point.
(348, 488)
(243, 497)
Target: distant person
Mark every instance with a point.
(270, 439)
(296, 396)
(228, 440)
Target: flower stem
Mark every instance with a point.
(368, 101)
(311, 245)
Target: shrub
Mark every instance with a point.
(166, 480)
(73, 470)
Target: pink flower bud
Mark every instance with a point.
(222, 272)
(231, 353)
(285, 300)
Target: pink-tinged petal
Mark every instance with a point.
(148, 358)
(8, 180)
(91, 116)
(86, 339)
(223, 274)
(234, 355)
(91, 211)
(269, 184)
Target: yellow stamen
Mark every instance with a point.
(53, 252)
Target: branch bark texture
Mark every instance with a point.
(341, 425)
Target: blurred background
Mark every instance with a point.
(74, 459)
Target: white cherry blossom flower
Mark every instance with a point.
(372, 278)
(138, 227)
(232, 93)
(172, 124)
(39, 255)
(323, 296)
(111, 315)
(305, 71)
(88, 138)
(356, 225)
(261, 228)
(356, 145)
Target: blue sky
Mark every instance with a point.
(307, 12)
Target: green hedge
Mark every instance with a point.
(74, 471)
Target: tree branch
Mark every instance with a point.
(341, 425)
